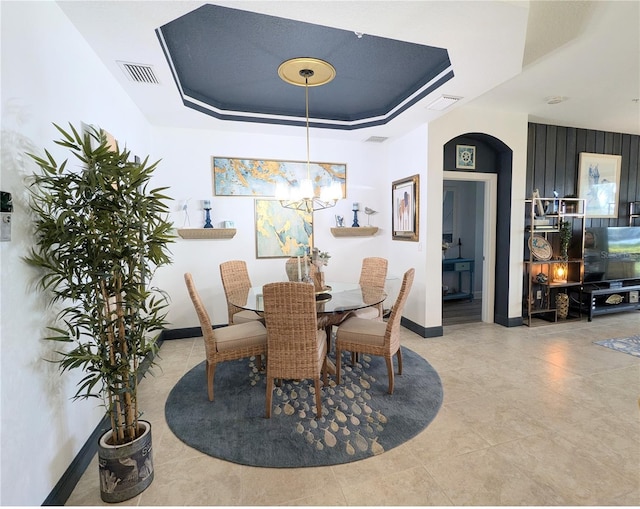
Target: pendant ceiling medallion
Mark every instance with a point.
(295, 71)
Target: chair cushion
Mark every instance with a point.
(240, 336)
(322, 341)
(360, 330)
(370, 313)
(245, 316)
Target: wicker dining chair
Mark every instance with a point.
(373, 275)
(358, 335)
(226, 343)
(235, 278)
(297, 349)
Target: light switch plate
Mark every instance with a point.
(5, 227)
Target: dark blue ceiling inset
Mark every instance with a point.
(225, 64)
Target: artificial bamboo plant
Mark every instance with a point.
(100, 232)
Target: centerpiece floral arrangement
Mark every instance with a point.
(320, 258)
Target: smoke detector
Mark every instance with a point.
(555, 99)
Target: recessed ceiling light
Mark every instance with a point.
(555, 99)
(443, 102)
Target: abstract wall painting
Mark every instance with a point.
(281, 232)
(258, 177)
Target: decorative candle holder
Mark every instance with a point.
(207, 219)
(560, 272)
(207, 215)
(355, 216)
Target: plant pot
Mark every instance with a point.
(125, 470)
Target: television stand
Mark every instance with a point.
(601, 298)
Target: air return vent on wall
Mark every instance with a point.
(139, 73)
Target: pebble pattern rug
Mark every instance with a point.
(359, 419)
(629, 345)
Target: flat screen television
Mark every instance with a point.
(611, 253)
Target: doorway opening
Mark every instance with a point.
(469, 229)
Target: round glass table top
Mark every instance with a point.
(338, 298)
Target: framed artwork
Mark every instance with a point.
(259, 177)
(404, 206)
(599, 183)
(281, 232)
(465, 157)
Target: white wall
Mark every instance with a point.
(511, 129)
(48, 75)
(188, 172)
(370, 171)
(407, 156)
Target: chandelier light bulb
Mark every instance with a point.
(306, 189)
(282, 191)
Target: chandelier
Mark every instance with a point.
(307, 72)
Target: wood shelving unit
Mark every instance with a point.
(541, 286)
(360, 231)
(207, 233)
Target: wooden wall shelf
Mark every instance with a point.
(207, 233)
(362, 231)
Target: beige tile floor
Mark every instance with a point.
(531, 416)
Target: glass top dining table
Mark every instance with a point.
(334, 305)
(338, 298)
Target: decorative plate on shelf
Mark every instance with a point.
(540, 247)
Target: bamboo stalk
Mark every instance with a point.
(127, 407)
(111, 341)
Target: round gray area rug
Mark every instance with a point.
(359, 419)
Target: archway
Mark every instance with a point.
(492, 156)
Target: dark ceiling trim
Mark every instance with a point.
(373, 119)
(312, 122)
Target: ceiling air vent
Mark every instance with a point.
(376, 139)
(443, 102)
(138, 73)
